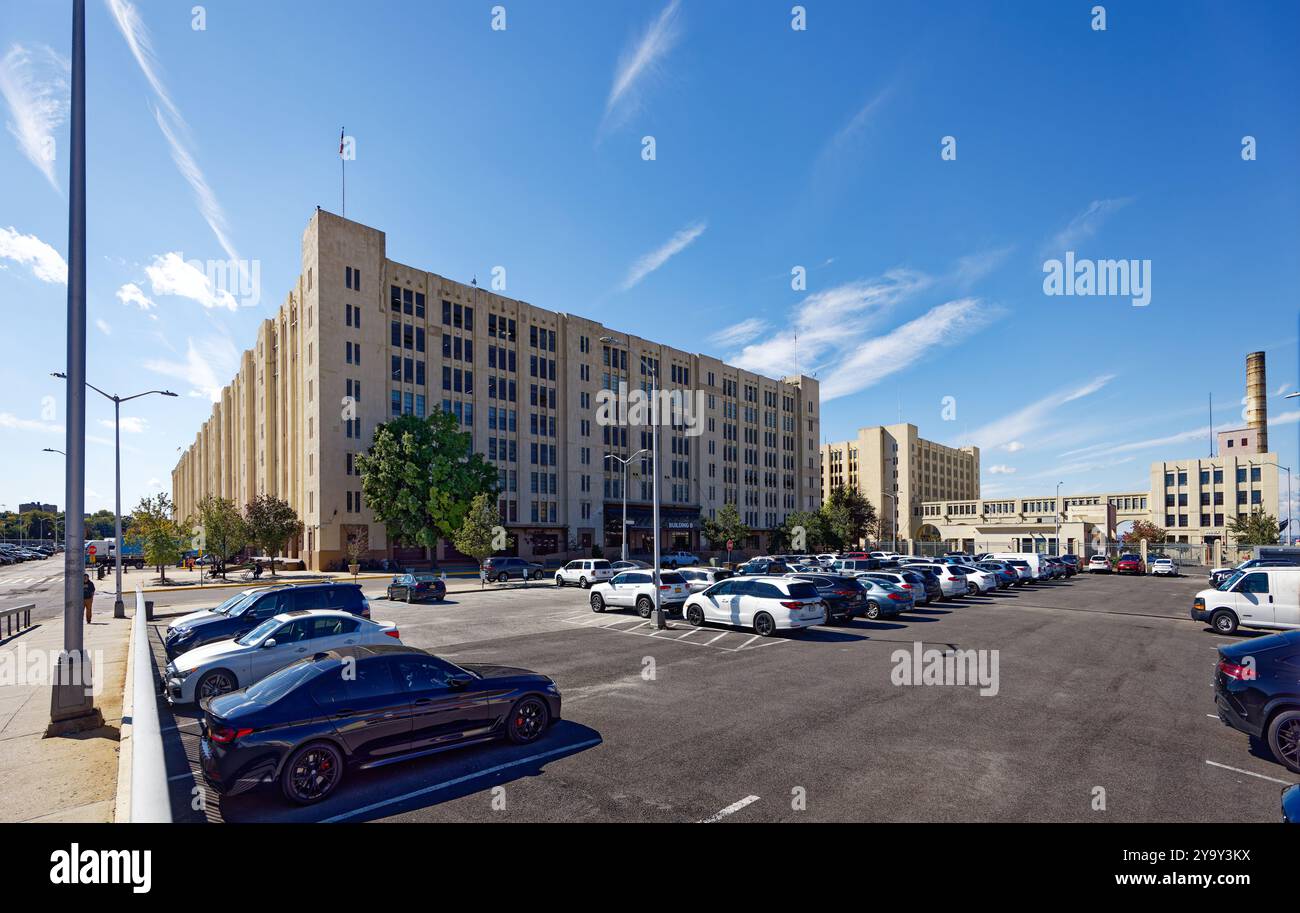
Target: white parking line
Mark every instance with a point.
(719, 637)
(1247, 773)
(730, 809)
(463, 779)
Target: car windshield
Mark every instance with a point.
(1231, 581)
(672, 577)
(278, 684)
(255, 636)
(803, 590)
(426, 577)
(230, 604)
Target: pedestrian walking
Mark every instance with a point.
(87, 594)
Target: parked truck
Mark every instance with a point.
(104, 551)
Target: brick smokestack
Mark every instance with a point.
(1256, 398)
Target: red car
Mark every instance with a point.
(1130, 564)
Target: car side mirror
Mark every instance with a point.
(269, 642)
(457, 684)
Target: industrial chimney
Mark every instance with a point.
(1256, 399)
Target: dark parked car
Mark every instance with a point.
(237, 616)
(763, 566)
(845, 598)
(1071, 563)
(363, 707)
(1257, 690)
(1130, 564)
(418, 587)
(503, 570)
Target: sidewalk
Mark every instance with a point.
(181, 579)
(72, 778)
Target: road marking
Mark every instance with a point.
(730, 809)
(748, 642)
(463, 779)
(1248, 773)
(719, 637)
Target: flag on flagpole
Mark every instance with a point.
(341, 129)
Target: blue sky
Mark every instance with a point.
(775, 148)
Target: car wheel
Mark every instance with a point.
(1284, 738)
(972, 589)
(528, 720)
(644, 606)
(537, 575)
(313, 773)
(873, 610)
(764, 626)
(218, 681)
(503, 577)
(583, 583)
(559, 581)
(695, 616)
(597, 602)
(1224, 622)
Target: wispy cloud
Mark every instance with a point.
(131, 424)
(739, 333)
(9, 420)
(205, 364)
(1001, 469)
(1180, 437)
(171, 274)
(1086, 223)
(46, 263)
(639, 62)
(1032, 419)
(170, 122)
(657, 258)
(35, 87)
(104, 326)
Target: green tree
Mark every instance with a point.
(481, 533)
(726, 525)
(803, 531)
(159, 536)
(223, 529)
(420, 476)
(1255, 528)
(1143, 529)
(850, 517)
(100, 525)
(271, 523)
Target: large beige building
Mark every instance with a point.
(361, 338)
(1083, 523)
(897, 470)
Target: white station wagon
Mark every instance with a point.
(227, 665)
(584, 572)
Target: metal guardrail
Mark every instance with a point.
(11, 621)
(150, 797)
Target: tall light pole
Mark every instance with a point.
(119, 610)
(1057, 512)
(654, 465)
(615, 456)
(72, 704)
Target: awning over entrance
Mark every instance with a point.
(642, 518)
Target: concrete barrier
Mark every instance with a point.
(150, 797)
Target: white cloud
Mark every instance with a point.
(133, 294)
(131, 424)
(1013, 446)
(657, 258)
(639, 61)
(35, 86)
(1086, 223)
(9, 420)
(47, 263)
(170, 274)
(170, 122)
(1033, 418)
(739, 333)
(1001, 469)
(1180, 437)
(205, 364)
(103, 326)
(154, 483)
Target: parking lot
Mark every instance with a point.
(1103, 711)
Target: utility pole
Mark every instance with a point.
(72, 705)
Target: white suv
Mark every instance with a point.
(764, 604)
(636, 589)
(584, 572)
(678, 559)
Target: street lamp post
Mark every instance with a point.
(654, 465)
(614, 456)
(1057, 511)
(119, 610)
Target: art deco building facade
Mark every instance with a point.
(362, 338)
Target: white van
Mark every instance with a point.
(1031, 558)
(1263, 597)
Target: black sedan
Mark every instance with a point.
(363, 707)
(844, 597)
(418, 587)
(1257, 690)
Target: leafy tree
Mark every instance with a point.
(481, 533)
(1143, 529)
(100, 525)
(850, 517)
(420, 477)
(159, 536)
(271, 523)
(726, 525)
(223, 529)
(1255, 528)
(815, 531)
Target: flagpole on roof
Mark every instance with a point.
(343, 164)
